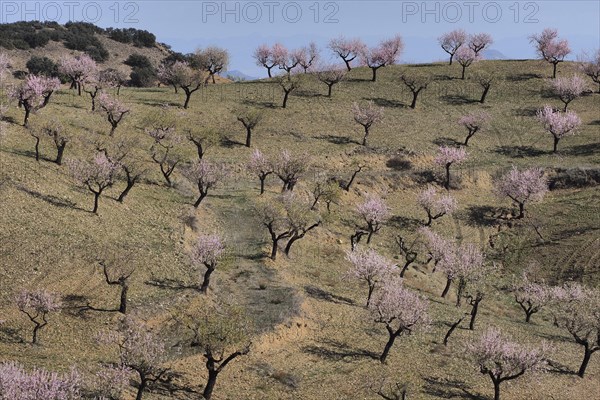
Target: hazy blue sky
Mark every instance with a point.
(242, 25)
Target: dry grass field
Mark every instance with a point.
(314, 339)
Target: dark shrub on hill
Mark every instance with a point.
(139, 38)
(38, 39)
(42, 66)
(566, 178)
(142, 77)
(138, 61)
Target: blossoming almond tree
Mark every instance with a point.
(368, 266)
(346, 49)
(503, 359)
(18, 383)
(558, 124)
(415, 83)
(386, 53)
(330, 75)
(205, 176)
(309, 56)
(114, 109)
(401, 310)
(474, 121)
(374, 212)
(435, 205)
(260, 166)
(207, 250)
(479, 41)
(550, 48)
(79, 69)
(366, 115)
(568, 89)
(590, 66)
(465, 56)
(522, 187)
(36, 305)
(532, 296)
(448, 156)
(270, 57)
(34, 93)
(452, 41)
(95, 175)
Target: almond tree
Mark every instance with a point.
(33, 94)
(116, 273)
(568, 89)
(465, 56)
(531, 296)
(550, 48)
(114, 78)
(78, 69)
(459, 264)
(203, 139)
(369, 266)
(140, 350)
(437, 247)
(205, 176)
(133, 170)
(590, 66)
(401, 311)
(301, 219)
(479, 42)
(436, 205)
(56, 131)
(415, 83)
(18, 383)
(330, 75)
(452, 41)
(5, 65)
(288, 60)
(289, 168)
(270, 57)
(386, 53)
(347, 49)
(95, 175)
(114, 109)
(213, 60)
(288, 84)
(325, 189)
(273, 216)
(37, 304)
(309, 56)
(165, 139)
(408, 252)
(485, 80)
(97, 82)
(446, 157)
(374, 212)
(207, 250)
(502, 359)
(522, 187)
(478, 285)
(188, 79)
(221, 334)
(558, 124)
(250, 118)
(474, 121)
(366, 115)
(260, 166)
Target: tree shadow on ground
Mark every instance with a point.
(481, 216)
(381, 102)
(446, 141)
(334, 350)
(520, 151)
(257, 103)
(167, 387)
(558, 368)
(230, 143)
(338, 139)
(171, 284)
(449, 389)
(28, 153)
(526, 112)
(522, 77)
(53, 200)
(456, 100)
(320, 294)
(403, 222)
(582, 149)
(10, 335)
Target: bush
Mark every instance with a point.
(42, 66)
(138, 61)
(566, 178)
(39, 39)
(142, 77)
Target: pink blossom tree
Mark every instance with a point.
(366, 115)
(485, 79)
(373, 213)
(185, 77)
(474, 121)
(465, 56)
(578, 311)
(401, 311)
(347, 49)
(111, 381)
(368, 266)
(479, 42)
(330, 75)
(568, 89)
(416, 83)
(95, 175)
(436, 205)
(290, 59)
(531, 296)
(205, 176)
(114, 78)
(309, 55)
(162, 151)
(289, 168)
(452, 41)
(140, 350)
(250, 118)
(288, 84)
(207, 250)
(590, 66)
(78, 69)
(36, 305)
(34, 93)
(479, 284)
(260, 166)
(448, 156)
(273, 216)
(558, 124)
(550, 48)
(18, 383)
(114, 109)
(202, 138)
(460, 264)
(269, 57)
(98, 82)
(522, 187)
(386, 53)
